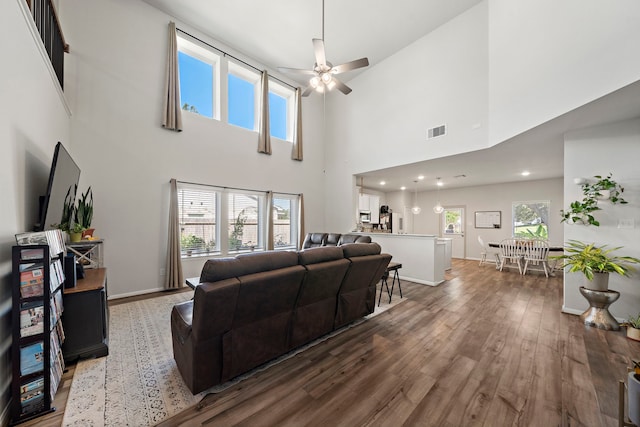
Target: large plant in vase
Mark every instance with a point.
(595, 263)
(84, 213)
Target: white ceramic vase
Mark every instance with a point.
(633, 333)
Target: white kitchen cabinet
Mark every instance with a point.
(374, 206)
(364, 202)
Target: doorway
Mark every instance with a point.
(452, 226)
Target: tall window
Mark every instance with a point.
(245, 221)
(242, 96)
(281, 111)
(197, 211)
(285, 221)
(198, 78)
(530, 219)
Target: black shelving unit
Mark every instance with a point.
(37, 282)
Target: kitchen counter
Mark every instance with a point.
(423, 256)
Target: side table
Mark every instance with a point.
(597, 315)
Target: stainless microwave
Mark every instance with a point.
(365, 216)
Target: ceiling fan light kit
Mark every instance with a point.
(323, 72)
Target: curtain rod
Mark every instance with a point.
(237, 59)
(235, 188)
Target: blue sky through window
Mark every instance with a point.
(277, 116)
(196, 84)
(241, 102)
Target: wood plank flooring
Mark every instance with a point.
(485, 348)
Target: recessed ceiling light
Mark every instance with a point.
(403, 188)
(440, 183)
(382, 182)
(526, 173)
(421, 177)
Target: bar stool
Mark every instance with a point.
(393, 266)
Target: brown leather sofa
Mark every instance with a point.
(252, 308)
(313, 240)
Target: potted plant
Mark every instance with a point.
(633, 327)
(595, 262)
(75, 232)
(84, 213)
(580, 212)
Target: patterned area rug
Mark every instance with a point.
(138, 383)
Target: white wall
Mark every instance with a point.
(33, 117)
(599, 151)
(547, 57)
(115, 79)
(498, 197)
(439, 79)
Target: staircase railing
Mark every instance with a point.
(46, 20)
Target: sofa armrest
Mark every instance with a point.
(181, 320)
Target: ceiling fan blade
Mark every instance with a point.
(352, 65)
(296, 71)
(318, 47)
(307, 91)
(342, 87)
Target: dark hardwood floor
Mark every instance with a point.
(483, 348)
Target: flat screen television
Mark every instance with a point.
(61, 189)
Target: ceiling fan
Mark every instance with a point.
(323, 72)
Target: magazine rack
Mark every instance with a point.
(37, 362)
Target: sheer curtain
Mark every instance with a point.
(296, 150)
(264, 137)
(171, 112)
(174, 278)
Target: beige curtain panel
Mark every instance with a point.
(171, 112)
(301, 232)
(174, 278)
(296, 150)
(264, 136)
(270, 220)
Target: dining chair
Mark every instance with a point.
(511, 251)
(536, 252)
(487, 251)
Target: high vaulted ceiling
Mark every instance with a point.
(278, 33)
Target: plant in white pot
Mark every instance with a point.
(595, 262)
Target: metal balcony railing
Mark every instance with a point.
(46, 20)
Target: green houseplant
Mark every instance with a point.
(580, 212)
(84, 212)
(633, 327)
(595, 262)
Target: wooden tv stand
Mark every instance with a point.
(86, 317)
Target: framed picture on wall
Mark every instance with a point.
(488, 219)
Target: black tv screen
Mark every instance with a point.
(61, 189)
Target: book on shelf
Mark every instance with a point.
(32, 396)
(32, 358)
(31, 318)
(29, 254)
(53, 238)
(31, 279)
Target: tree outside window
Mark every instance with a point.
(531, 219)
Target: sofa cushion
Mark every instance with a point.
(351, 250)
(353, 238)
(313, 240)
(320, 254)
(224, 268)
(332, 239)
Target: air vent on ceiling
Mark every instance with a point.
(436, 131)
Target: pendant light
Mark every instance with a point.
(438, 207)
(416, 209)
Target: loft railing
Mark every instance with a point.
(46, 20)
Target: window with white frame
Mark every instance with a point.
(285, 221)
(242, 95)
(245, 220)
(197, 211)
(199, 78)
(531, 219)
(281, 111)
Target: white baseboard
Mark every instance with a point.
(133, 294)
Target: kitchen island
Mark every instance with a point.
(422, 256)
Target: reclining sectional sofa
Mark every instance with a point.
(255, 307)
